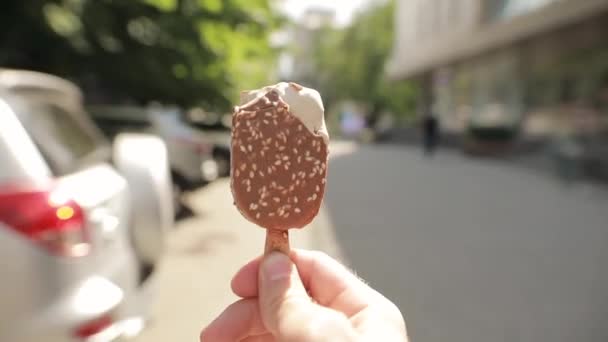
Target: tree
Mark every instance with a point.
(184, 52)
(350, 63)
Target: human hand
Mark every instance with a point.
(305, 297)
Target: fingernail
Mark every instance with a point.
(276, 266)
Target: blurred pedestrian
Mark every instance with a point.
(430, 134)
(304, 297)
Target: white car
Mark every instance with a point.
(82, 223)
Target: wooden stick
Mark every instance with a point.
(276, 240)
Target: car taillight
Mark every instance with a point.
(46, 217)
(93, 327)
(199, 146)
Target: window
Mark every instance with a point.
(63, 140)
(505, 9)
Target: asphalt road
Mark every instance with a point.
(474, 250)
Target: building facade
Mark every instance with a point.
(539, 65)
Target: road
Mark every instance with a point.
(471, 250)
(474, 250)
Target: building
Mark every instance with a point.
(538, 65)
(297, 62)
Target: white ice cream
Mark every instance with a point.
(304, 103)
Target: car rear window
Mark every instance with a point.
(64, 139)
(111, 127)
(113, 120)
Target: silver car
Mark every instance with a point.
(190, 153)
(81, 222)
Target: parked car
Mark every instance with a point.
(492, 130)
(581, 155)
(190, 151)
(217, 130)
(221, 151)
(82, 222)
(191, 154)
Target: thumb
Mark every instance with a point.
(283, 298)
(286, 309)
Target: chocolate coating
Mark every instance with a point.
(278, 168)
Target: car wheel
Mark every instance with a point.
(179, 186)
(177, 196)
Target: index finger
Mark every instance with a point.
(238, 321)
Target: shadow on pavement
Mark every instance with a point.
(184, 212)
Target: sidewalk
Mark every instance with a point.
(203, 254)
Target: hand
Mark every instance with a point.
(276, 305)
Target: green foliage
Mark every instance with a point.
(184, 52)
(351, 61)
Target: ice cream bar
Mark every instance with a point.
(279, 158)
